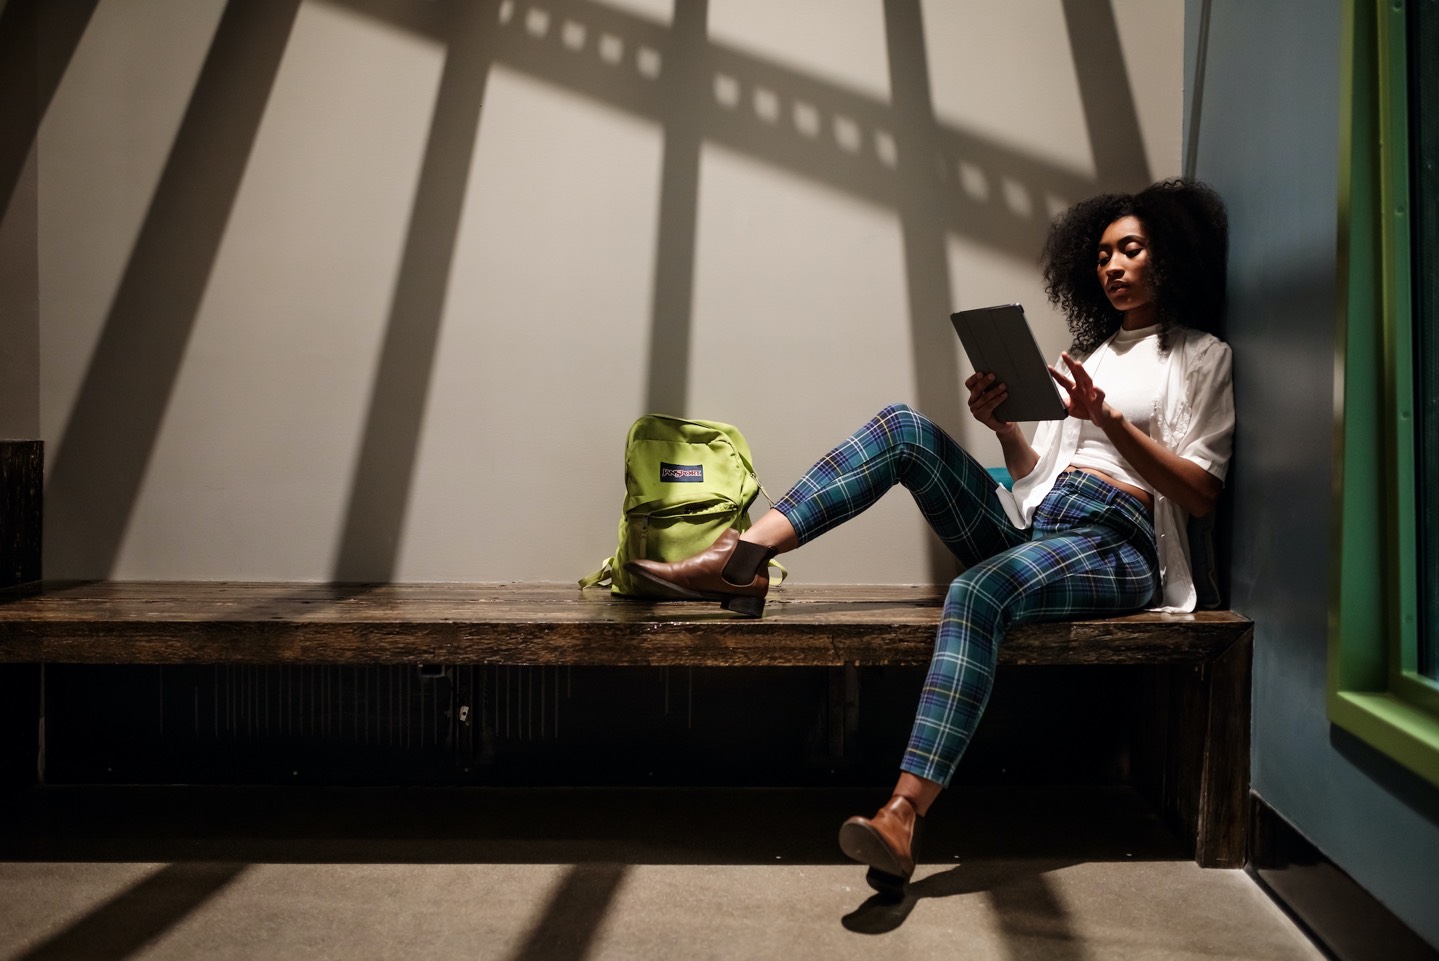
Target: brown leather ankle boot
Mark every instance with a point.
(887, 842)
(731, 571)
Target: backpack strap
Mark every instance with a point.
(601, 577)
(783, 572)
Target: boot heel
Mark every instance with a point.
(890, 886)
(748, 606)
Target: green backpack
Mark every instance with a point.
(686, 481)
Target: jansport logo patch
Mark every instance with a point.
(682, 473)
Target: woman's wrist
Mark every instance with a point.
(1112, 419)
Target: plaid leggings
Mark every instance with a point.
(1090, 550)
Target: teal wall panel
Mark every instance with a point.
(1268, 138)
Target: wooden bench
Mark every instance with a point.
(1198, 683)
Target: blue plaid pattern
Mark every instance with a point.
(1090, 550)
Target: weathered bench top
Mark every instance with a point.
(201, 622)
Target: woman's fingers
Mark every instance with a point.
(983, 405)
(980, 386)
(985, 396)
(1081, 398)
(1077, 371)
(978, 381)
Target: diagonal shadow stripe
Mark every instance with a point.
(812, 128)
(106, 446)
(430, 20)
(602, 53)
(122, 926)
(566, 929)
(1107, 97)
(672, 309)
(927, 282)
(35, 52)
(820, 131)
(370, 541)
(1034, 921)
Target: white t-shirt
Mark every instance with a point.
(1128, 366)
(1192, 415)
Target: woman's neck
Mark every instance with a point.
(1137, 318)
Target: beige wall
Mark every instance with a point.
(372, 289)
(19, 272)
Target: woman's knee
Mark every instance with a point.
(905, 426)
(974, 601)
(968, 629)
(894, 414)
(890, 410)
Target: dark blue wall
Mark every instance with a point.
(1268, 132)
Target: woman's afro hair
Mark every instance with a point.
(1188, 251)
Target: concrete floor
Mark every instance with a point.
(1068, 874)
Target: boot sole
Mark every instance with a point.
(863, 844)
(746, 604)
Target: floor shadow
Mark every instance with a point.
(384, 471)
(120, 927)
(567, 926)
(102, 455)
(1024, 902)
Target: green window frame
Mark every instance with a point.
(1423, 25)
(1376, 690)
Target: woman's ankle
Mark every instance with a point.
(919, 792)
(774, 531)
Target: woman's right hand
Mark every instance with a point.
(984, 396)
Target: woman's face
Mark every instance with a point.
(1123, 269)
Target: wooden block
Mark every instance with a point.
(1192, 757)
(1222, 829)
(528, 624)
(21, 471)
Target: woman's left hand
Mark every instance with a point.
(1084, 399)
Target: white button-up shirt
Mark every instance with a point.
(1193, 417)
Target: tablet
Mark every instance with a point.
(998, 341)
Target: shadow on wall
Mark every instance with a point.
(890, 152)
(100, 460)
(31, 65)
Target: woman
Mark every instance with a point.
(1095, 523)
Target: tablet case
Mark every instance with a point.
(998, 340)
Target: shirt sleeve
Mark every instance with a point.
(1204, 427)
